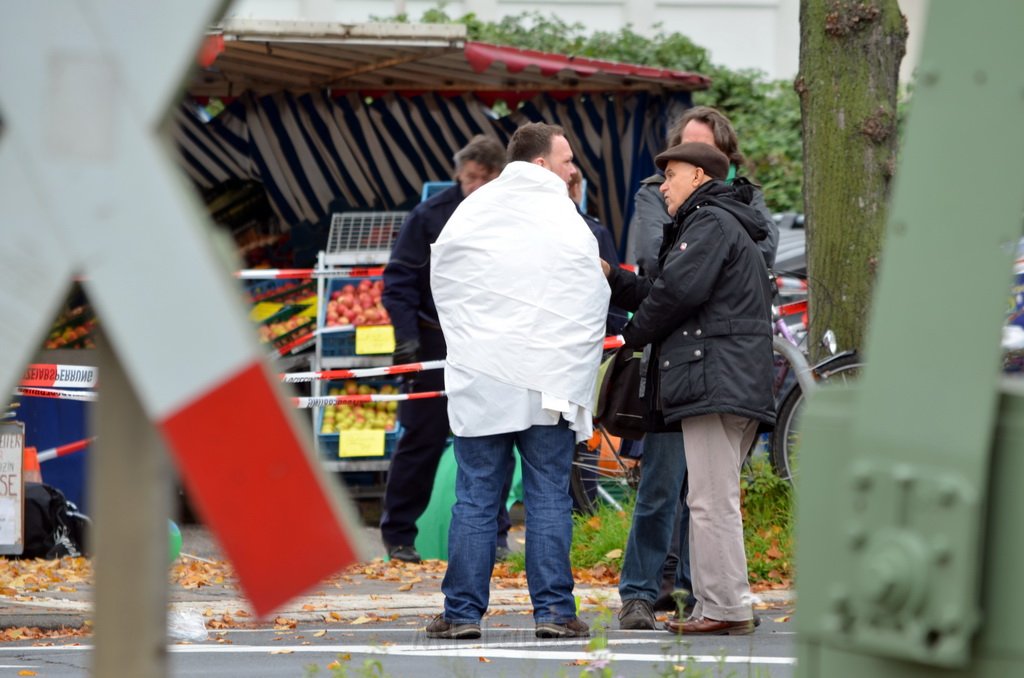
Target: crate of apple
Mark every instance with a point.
(276, 330)
(357, 304)
(355, 416)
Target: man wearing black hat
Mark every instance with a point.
(706, 319)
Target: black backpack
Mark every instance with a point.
(53, 526)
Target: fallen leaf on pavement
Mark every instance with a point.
(320, 634)
(285, 623)
(483, 660)
(782, 620)
(362, 620)
(282, 651)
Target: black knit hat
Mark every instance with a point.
(714, 163)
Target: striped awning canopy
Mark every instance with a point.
(264, 57)
(332, 118)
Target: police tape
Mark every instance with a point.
(59, 376)
(294, 346)
(64, 450)
(300, 377)
(59, 394)
(324, 401)
(308, 273)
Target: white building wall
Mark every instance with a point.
(758, 34)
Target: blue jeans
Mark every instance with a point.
(654, 520)
(546, 453)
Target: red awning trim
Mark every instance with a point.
(482, 56)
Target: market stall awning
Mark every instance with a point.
(263, 57)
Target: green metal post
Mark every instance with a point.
(909, 509)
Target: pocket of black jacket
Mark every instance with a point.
(682, 375)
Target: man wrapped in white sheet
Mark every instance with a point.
(522, 302)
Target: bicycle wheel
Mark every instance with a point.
(603, 475)
(786, 438)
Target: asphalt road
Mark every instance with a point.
(508, 648)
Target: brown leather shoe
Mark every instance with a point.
(709, 627)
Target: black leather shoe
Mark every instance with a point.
(636, 615)
(407, 553)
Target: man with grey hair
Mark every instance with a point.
(418, 337)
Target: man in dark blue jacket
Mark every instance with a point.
(418, 337)
(605, 246)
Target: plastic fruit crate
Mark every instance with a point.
(339, 343)
(327, 443)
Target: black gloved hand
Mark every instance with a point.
(406, 352)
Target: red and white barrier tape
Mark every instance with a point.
(299, 377)
(60, 394)
(308, 273)
(791, 284)
(795, 308)
(614, 341)
(60, 376)
(323, 401)
(64, 450)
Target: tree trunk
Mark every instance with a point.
(850, 53)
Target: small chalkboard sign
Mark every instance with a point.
(12, 488)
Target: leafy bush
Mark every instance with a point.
(767, 524)
(598, 539)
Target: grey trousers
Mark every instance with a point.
(715, 445)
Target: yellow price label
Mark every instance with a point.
(361, 443)
(308, 313)
(307, 301)
(264, 310)
(373, 339)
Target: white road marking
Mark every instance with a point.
(421, 650)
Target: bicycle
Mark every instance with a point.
(789, 341)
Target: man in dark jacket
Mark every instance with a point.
(605, 245)
(707, 320)
(706, 125)
(418, 337)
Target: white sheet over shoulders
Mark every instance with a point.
(522, 301)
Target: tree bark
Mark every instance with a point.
(850, 53)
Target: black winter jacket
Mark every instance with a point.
(708, 315)
(407, 295)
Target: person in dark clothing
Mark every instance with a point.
(418, 337)
(706, 125)
(605, 246)
(707, 321)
